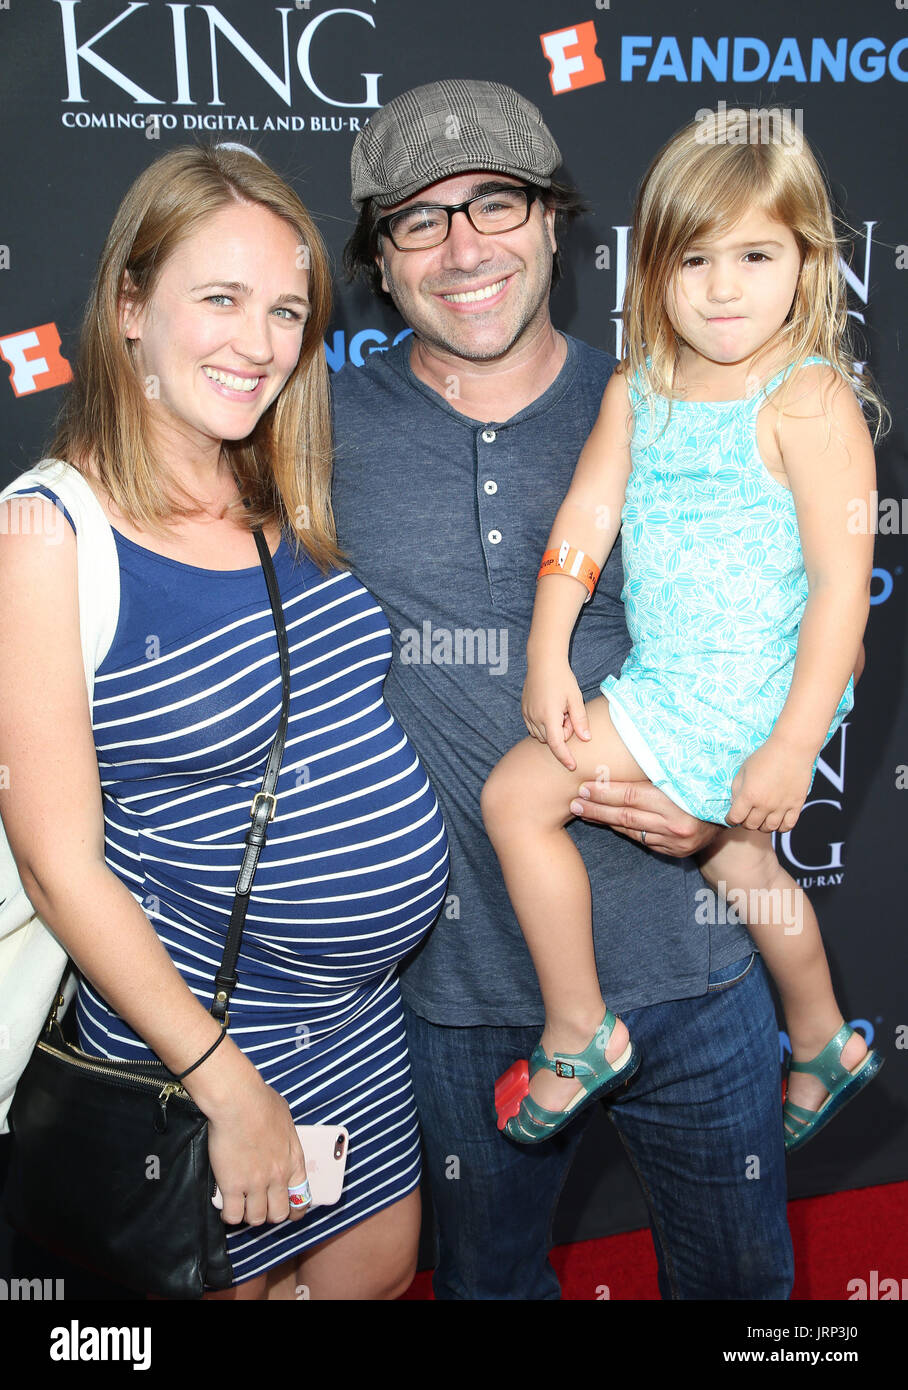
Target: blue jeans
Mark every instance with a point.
(701, 1123)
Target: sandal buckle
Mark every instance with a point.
(564, 1068)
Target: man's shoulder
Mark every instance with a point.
(585, 378)
(593, 361)
(383, 377)
(381, 371)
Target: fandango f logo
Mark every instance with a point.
(35, 359)
(79, 50)
(573, 61)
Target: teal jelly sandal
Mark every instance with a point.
(533, 1123)
(841, 1084)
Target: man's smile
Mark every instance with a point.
(480, 294)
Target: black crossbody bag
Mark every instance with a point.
(109, 1162)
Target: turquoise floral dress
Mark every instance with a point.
(714, 591)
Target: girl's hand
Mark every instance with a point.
(553, 708)
(770, 788)
(255, 1155)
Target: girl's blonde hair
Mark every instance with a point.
(283, 468)
(708, 176)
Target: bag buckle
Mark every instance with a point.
(266, 796)
(52, 1021)
(219, 1006)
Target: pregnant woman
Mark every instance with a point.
(201, 382)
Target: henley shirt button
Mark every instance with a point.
(494, 537)
(489, 436)
(490, 487)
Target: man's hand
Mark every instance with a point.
(635, 807)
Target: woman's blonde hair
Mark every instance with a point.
(283, 468)
(709, 175)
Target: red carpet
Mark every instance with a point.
(837, 1239)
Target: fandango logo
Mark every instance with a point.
(886, 583)
(34, 356)
(367, 340)
(753, 60)
(178, 37)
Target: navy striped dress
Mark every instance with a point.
(186, 705)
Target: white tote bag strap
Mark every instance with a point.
(99, 571)
(31, 959)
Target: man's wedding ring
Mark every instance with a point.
(301, 1195)
(643, 837)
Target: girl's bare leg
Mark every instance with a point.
(525, 809)
(784, 926)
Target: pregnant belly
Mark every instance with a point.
(355, 865)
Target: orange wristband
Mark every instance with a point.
(573, 562)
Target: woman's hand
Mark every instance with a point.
(553, 708)
(254, 1150)
(770, 788)
(55, 827)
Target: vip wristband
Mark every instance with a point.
(575, 563)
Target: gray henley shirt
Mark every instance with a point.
(444, 519)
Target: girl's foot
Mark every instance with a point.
(555, 1092)
(842, 1068)
(808, 1091)
(583, 1073)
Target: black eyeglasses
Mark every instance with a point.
(424, 225)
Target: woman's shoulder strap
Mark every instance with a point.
(98, 566)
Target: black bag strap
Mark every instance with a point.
(262, 811)
(263, 804)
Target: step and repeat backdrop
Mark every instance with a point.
(94, 90)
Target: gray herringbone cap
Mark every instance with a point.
(445, 128)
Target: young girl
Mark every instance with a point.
(729, 444)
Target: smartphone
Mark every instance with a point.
(325, 1148)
